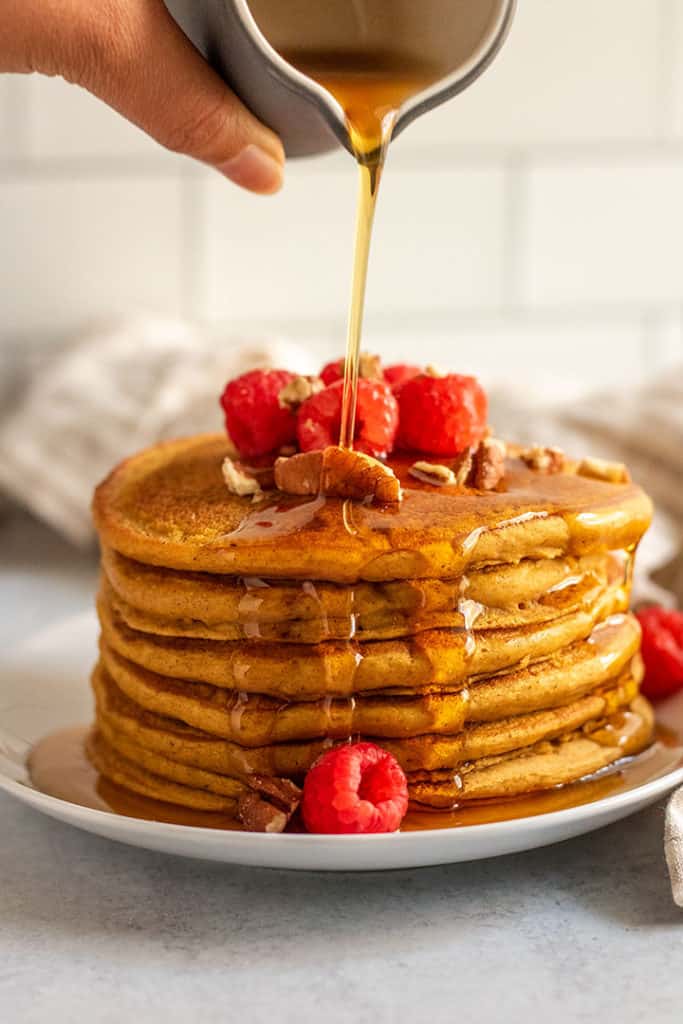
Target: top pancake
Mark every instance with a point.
(169, 506)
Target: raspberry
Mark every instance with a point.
(397, 375)
(319, 418)
(332, 372)
(442, 415)
(353, 789)
(254, 418)
(662, 651)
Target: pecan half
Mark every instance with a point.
(488, 464)
(269, 805)
(339, 473)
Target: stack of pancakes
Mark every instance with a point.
(483, 638)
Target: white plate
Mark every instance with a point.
(43, 688)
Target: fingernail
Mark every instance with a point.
(254, 169)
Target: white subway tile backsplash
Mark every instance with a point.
(569, 71)
(73, 250)
(533, 223)
(603, 233)
(521, 352)
(66, 122)
(438, 243)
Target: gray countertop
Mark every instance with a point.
(99, 932)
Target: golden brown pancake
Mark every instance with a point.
(430, 752)
(582, 594)
(215, 600)
(256, 720)
(169, 506)
(431, 661)
(543, 765)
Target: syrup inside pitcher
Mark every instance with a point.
(371, 56)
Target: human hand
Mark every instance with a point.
(132, 55)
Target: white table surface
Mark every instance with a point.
(92, 931)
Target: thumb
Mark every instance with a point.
(142, 64)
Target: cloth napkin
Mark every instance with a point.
(115, 390)
(127, 385)
(673, 844)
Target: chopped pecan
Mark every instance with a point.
(544, 459)
(369, 366)
(488, 464)
(339, 473)
(238, 481)
(462, 467)
(433, 473)
(269, 805)
(599, 469)
(297, 391)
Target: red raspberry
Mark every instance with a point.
(254, 419)
(397, 375)
(442, 415)
(355, 788)
(319, 418)
(662, 651)
(332, 372)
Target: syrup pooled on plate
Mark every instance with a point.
(59, 767)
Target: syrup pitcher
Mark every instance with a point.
(274, 54)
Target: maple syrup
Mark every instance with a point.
(370, 88)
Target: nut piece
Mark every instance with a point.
(339, 473)
(270, 804)
(488, 464)
(610, 472)
(369, 366)
(238, 481)
(462, 467)
(544, 459)
(433, 473)
(297, 391)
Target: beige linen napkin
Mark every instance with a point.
(116, 390)
(673, 844)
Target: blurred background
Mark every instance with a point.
(532, 225)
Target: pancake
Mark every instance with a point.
(431, 661)
(195, 748)
(257, 720)
(214, 600)
(540, 766)
(169, 506)
(581, 594)
(153, 776)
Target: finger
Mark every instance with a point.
(136, 58)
